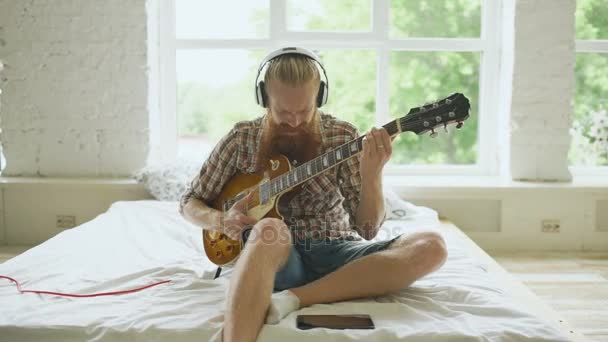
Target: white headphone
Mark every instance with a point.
(261, 97)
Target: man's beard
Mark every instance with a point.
(303, 145)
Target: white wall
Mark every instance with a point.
(78, 99)
(30, 206)
(508, 215)
(74, 87)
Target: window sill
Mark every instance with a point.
(7, 181)
(486, 184)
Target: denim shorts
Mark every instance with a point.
(310, 260)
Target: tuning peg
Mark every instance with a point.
(445, 126)
(459, 125)
(433, 133)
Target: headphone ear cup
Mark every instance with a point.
(322, 95)
(261, 95)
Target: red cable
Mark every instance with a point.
(85, 295)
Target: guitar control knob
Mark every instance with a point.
(459, 125)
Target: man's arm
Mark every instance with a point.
(199, 214)
(377, 150)
(362, 191)
(208, 183)
(370, 212)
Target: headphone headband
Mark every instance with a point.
(260, 91)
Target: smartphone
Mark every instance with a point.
(305, 322)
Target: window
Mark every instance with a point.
(589, 131)
(383, 57)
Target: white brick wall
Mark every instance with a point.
(542, 89)
(75, 89)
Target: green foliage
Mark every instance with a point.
(352, 80)
(591, 19)
(415, 78)
(418, 77)
(335, 15)
(210, 112)
(436, 18)
(591, 97)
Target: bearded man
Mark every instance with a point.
(320, 253)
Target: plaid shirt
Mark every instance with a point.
(327, 204)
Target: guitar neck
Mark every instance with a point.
(452, 109)
(318, 165)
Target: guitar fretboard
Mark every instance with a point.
(316, 166)
(454, 108)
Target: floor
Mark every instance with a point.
(7, 252)
(575, 285)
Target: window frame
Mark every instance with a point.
(378, 39)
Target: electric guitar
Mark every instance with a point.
(280, 178)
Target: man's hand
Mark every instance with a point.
(377, 150)
(235, 220)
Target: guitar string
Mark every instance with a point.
(405, 127)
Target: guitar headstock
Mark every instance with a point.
(452, 109)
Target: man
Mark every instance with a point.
(316, 255)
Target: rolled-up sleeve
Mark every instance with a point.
(219, 167)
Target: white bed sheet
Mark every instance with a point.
(141, 242)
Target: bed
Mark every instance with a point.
(141, 242)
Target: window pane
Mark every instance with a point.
(590, 119)
(591, 19)
(419, 77)
(329, 15)
(212, 19)
(352, 86)
(215, 89)
(435, 18)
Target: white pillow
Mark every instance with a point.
(168, 181)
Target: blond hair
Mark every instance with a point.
(293, 70)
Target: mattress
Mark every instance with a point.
(142, 242)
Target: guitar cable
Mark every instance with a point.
(245, 236)
(83, 295)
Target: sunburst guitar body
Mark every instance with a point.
(222, 250)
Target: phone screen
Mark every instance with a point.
(305, 322)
